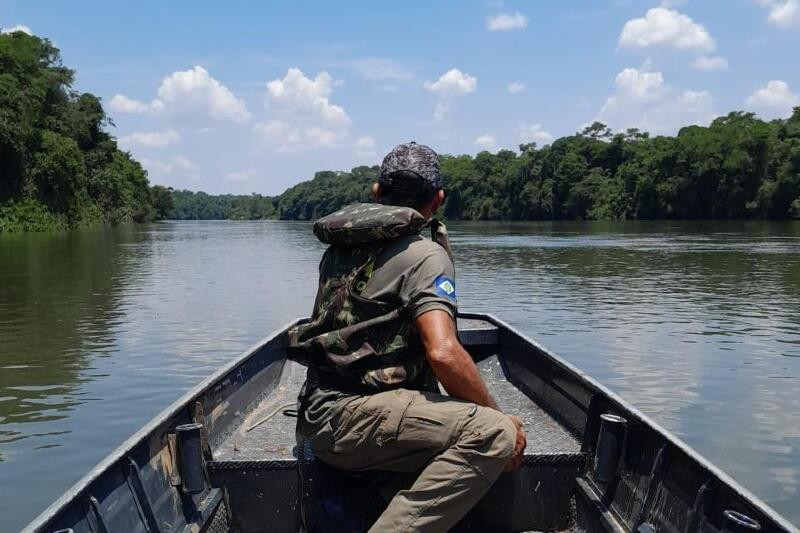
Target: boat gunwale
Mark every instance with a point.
(148, 428)
(693, 454)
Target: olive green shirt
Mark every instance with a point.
(413, 268)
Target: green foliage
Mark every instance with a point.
(58, 166)
(327, 192)
(28, 215)
(163, 203)
(737, 167)
(188, 205)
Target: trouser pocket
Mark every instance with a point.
(394, 411)
(322, 440)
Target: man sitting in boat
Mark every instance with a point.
(382, 338)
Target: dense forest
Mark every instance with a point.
(189, 205)
(58, 166)
(738, 167)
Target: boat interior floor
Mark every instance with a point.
(273, 440)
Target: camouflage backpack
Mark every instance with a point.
(353, 343)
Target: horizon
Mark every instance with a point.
(258, 98)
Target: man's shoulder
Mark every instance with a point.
(414, 249)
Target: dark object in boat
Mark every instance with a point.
(593, 462)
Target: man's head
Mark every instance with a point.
(410, 177)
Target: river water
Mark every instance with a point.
(697, 324)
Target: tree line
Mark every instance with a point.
(59, 167)
(738, 167)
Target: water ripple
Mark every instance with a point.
(697, 324)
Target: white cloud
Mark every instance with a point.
(449, 85)
(485, 142)
(188, 91)
(196, 89)
(710, 63)
(453, 82)
(775, 100)
(783, 13)
(533, 133)
(18, 27)
(302, 113)
(122, 104)
(380, 69)
(662, 26)
(516, 87)
(240, 175)
(151, 139)
(505, 22)
(365, 146)
(643, 100)
(169, 166)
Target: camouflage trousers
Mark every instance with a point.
(458, 449)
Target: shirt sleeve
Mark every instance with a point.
(431, 285)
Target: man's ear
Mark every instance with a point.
(440, 198)
(376, 191)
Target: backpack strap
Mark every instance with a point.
(440, 237)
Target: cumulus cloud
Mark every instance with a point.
(516, 87)
(453, 82)
(783, 13)
(18, 27)
(774, 100)
(710, 63)
(151, 139)
(449, 85)
(122, 104)
(380, 69)
(172, 165)
(302, 115)
(507, 21)
(188, 91)
(529, 133)
(485, 142)
(196, 89)
(662, 26)
(643, 100)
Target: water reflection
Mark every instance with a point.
(59, 296)
(697, 324)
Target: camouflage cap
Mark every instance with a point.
(414, 158)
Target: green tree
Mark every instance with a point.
(55, 154)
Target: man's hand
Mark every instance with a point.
(519, 445)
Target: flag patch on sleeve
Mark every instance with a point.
(445, 286)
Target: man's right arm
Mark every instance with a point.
(453, 366)
(456, 371)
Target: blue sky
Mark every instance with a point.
(255, 96)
